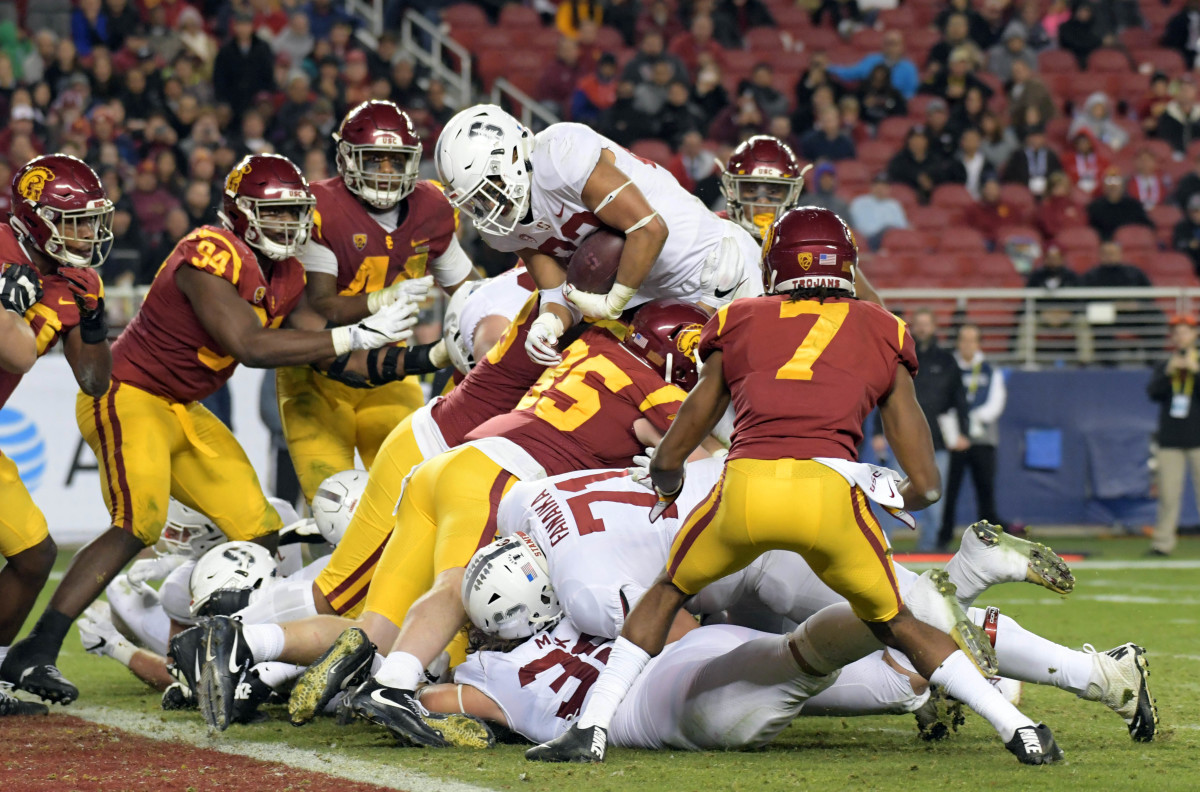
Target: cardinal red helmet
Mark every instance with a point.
(761, 179)
(809, 247)
(665, 334)
(60, 207)
(378, 153)
(269, 205)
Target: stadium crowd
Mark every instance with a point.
(1039, 126)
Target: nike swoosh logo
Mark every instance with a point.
(208, 655)
(721, 295)
(61, 301)
(562, 208)
(377, 696)
(233, 664)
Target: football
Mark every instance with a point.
(593, 266)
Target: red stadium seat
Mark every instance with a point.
(1108, 60)
(653, 150)
(894, 130)
(464, 15)
(763, 40)
(906, 195)
(867, 40)
(1165, 216)
(1057, 61)
(1161, 59)
(1017, 232)
(902, 18)
(904, 241)
(792, 18)
(513, 15)
(876, 153)
(609, 39)
(1083, 238)
(1170, 269)
(962, 241)
(1019, 197)
(951, 196)
(929, 218)
(941, 270)
(1136, 237)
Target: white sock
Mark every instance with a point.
(275, 674)
(968, 584)
(1031, 658)
(962, 680)
(624, 665)
(401, 670)
(283, 602)
(376, 663)
(264, 640)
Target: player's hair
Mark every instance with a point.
(480, 641)
(820, 294)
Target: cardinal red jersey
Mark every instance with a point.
(804, 374)
(165, 350)
(368, 257)
(580, 415)
(495, 385)
(51, 317)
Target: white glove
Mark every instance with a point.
(640, 472)
(416, 290)
(439, 356)
(600, 306)
(146, 569)
(391, 325)
(100, 637)
(543, 335)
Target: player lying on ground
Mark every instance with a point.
(802, 384)
(60, 230)
(220, 299)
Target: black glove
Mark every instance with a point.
(20, 288)
(85, 286)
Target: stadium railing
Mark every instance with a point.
(428, 45)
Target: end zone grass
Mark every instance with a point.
(1155, 607)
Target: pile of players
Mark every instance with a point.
(643, 496)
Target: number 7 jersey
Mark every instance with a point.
(805, 374)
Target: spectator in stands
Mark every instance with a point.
(872, 214)
(1053, 274)
(1149, 184)
(823, 191)
(121, 18)
(998, 141)
(852, 123)
(696, 43)
(916, 165)
(904, 74)
(1032, 164)
(322, 16)
(943, 142)
(127, 263)
(559, 77)
(940, 391)
(640, 68)
(991, 213)
(1115, 208)
(969, 112)
(734, 17)
(1078, 34)
(844, 15)
(1086, 163)
(622, 121)
(1012, 48)
(1028, 91)
(435, 104)
(953, 82)
(1179, 124)
(738, 121)
(151, 202)
(1112, 271)
(1173, 386)
(405, 90)
(679, 115)
(761, 86)
(1059, 208)
(1097, 117)
(1186, 236)
(571, 14)
(1155, 103)
(1183, 32)
(974, 164)
(1188, 186)
(595, 92)
(198, 200)
(955, 34)
(1036, 36)
(880, 99)
(709, 93)
(827, 141)
(244, 65)
(695, 167)
(978, 29)
(986, 398)
(659, 17)
(649, 97)
(89, 27)
(296, 40)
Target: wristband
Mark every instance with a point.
(341, 340)
(382, 365)
(93, 328)
(439, 355)
(619, 296)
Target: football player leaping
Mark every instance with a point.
(61, 229)
(541, 195)
(377, 232)
(220, 299)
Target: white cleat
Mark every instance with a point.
(1120, 682)
(988, 556)
(933, 599)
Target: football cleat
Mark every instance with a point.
(11, 705)
(187, 651)
(250, 693)
(939, 715)
(223, 667)
(988, 556)
(1121, 683)
(576, 744)
(177, 697)
(933, 600)
(399, 712)
(44, 681)
(345, 664)
(1034, 745)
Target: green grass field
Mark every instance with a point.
(1156, 607)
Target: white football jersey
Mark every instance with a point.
(563, 157)
(601, 547)
(504, 295)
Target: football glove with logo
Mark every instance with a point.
(415, 290)
(20, 288)
(543, 335)
(667, 486)
(392, 324)
(84, 284)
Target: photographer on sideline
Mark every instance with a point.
(1173, 387)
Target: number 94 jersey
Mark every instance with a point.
(804, 374)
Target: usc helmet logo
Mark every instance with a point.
(805, 260)
(235, 178)
(687, 339)
(33, 182)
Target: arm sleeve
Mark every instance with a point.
(662, 404)
(316, 257)
(905, 78)
(855, 71)
(993, 407)
(450, 268)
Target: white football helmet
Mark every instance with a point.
(482, 161)
(334, 504)
(187, 532)
(506, 590)
(236, 566)
(460, 348)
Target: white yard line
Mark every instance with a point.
(383, 773)
(1085, 564)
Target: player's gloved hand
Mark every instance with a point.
(640, 472)
(100, 637)
(600, 306)
(416, 290)
(723, 272)
(146, 569)
(439, 356)
(543, 335)
(667, 486)
(20, 288)
(391, 325)
(85, 286)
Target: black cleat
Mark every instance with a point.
(44, 681)
(1034, 745)
(344, 665)
(11, 705)
(186, 650)
(225, 602)
(249, 695)
(576, 744)
(939, 716)
(175, 697)
(223, 667)
(399, 712)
